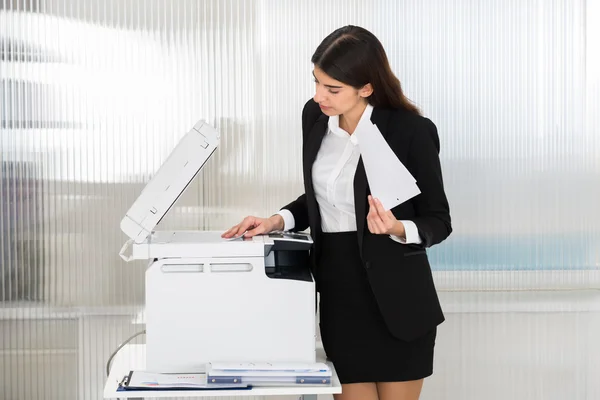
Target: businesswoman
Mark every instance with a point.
(379, 310)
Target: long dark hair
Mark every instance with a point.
(354, 56)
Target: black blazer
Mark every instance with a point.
(399, 274)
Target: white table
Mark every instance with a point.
(133, 357)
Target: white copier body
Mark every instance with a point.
(210, 299)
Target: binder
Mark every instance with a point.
(269, 374)
(274, 380)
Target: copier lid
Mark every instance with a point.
(172, 178)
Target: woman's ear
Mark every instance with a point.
(366, 90)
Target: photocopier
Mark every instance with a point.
(210, 299)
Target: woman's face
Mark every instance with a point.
(333, 96)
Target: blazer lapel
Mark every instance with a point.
(311, 149)
(360, 201)
(313, 143)
(380, 117)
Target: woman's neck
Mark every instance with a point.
(349, 120)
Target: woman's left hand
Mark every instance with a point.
(382, 222)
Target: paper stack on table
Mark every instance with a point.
(269, 374)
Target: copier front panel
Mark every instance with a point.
(246, 309)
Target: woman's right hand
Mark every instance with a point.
(252, 226)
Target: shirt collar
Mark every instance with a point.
(334, 123)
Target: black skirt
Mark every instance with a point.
(354, 334)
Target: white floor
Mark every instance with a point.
(493, 345)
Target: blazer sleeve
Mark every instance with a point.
(300, 212)
(298, 207)
(431, 205)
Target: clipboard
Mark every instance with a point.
(146, 381)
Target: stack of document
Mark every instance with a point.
(141, 380)
(269, 374)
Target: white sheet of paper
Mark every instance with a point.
(388, 178)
